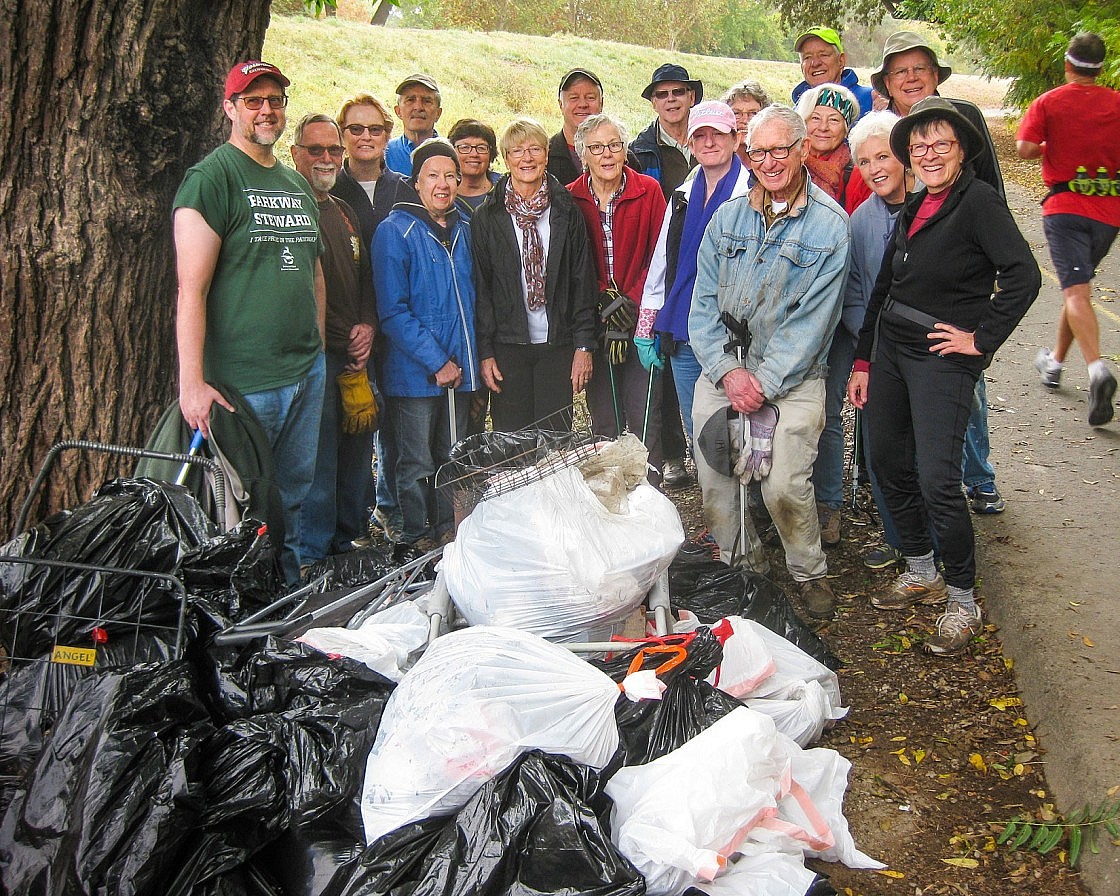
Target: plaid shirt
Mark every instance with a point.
(606, 216)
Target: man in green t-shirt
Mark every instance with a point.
(252, 300)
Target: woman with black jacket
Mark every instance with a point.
(932, 326)
(536, 289)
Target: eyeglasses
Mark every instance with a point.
(467, 149)
(777, 152)
(253, 103)
(918, 71)
(375, 130)
(941, 147)
(315, 150)
(534, 152)
(670, 91)
(596, 149)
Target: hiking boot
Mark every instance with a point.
(986, 499)
(955, 628)
(1049, 371)
(1100, 399)
(909, 589)
(820, 602)
(881, 558)
(830, 525)
(674, 474)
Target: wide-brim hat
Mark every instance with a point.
(673, 72)
(930, 109)
(901, 42)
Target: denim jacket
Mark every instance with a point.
(787, 282)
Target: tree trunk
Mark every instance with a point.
(105, 105)
(381, 11)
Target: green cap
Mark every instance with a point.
(828, 35)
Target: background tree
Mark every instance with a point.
(104, 104)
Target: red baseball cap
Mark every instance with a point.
(245, 73)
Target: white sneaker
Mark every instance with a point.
(1049, 370)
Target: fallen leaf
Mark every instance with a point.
(1087, 642)
(977, 762)
(889, 872)
(1002, 703)
(919, 755)
(902, 698)
(962, 863)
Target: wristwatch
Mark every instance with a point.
(584, 348)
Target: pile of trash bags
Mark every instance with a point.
(359, 761)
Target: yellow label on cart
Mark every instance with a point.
(74, 656)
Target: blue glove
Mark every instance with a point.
(649, 352)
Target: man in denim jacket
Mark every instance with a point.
(776, 260)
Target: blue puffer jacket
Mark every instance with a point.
(425, 300)
(849, 79)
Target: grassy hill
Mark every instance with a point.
(497, 76)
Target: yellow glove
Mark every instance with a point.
(358, 404)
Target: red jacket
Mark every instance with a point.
(637, 222)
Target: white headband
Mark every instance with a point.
(1080, 63)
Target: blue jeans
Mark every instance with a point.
(423, 442)
(290, 418)
(686, 371)
(975, 468)
(828, 471)
(334, 511)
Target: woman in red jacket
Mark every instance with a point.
(623, 211)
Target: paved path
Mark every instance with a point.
(1049, 566)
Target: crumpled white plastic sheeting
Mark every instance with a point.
(475, 700)
(686, 816)
(550, 559)
(387, 642)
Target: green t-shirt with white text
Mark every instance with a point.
(261, 325)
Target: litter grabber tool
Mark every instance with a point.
(739, 341)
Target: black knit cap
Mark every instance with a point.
(433, 146)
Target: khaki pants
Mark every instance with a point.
(787, 491)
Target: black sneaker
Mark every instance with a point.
(986, 499)
(1100, 400)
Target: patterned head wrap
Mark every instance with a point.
(834, 99)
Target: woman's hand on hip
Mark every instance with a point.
(949, 340)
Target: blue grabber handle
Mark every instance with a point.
(196, 443)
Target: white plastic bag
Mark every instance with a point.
(386, 642)
(549, 558)
(474, 701)
(802, 715)
(794, 666)
(747, 660)
(735, 788)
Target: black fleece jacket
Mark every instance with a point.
(947, 270)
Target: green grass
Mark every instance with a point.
(497, 76)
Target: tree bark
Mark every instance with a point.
(381, 11)
(105, 104)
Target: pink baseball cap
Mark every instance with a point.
(245, 73)
(711, 114)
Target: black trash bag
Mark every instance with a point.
(305, 860)
(529, 830)
(354, 568)
(712, 590)
(236, 572)
(114, 795)
(133, 524)
(33, 694)
(648, 729)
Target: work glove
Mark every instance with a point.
(756, 462)
(649, 352)
(359, 407)
(617, 314)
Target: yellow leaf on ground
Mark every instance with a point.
(903, 759)
(919, 755)
(1001, 703)
(978, 763)
(962, 863)
(890, 872)
(1020, 768)
(1087, 642)
(902, 698)
(899, 739)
